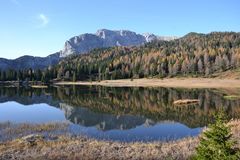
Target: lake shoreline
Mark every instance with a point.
(81, 147)
(166, 82)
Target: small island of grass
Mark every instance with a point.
(39, 86)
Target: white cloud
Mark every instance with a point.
(44, 20)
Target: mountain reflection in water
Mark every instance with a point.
(123, 108)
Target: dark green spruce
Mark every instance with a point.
(216, 143)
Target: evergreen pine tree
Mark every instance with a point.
(216, 142)
(74, 77)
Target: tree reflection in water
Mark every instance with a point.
(124, 108)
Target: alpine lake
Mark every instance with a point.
(117, 113)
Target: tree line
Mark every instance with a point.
(194, 54)
(28, 74)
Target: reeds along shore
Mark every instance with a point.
(87, 148)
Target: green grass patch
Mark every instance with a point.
(232, 97)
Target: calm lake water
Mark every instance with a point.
(125, 114)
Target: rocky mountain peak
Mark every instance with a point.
(83, 43)
(106, 38)
(104, 33)
(150, 37)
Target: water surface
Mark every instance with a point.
(125, 114)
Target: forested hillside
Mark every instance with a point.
(194, 54)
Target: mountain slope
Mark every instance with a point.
(194, 54)
(107, 38)
(26, 62)
(81, 44)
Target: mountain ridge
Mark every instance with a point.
(27, 61)
(83, 43)
(107, 38)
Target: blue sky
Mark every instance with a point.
(40, 27)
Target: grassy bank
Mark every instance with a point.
(68, 147)
(10, 131)
(167, 82)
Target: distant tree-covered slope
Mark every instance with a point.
(193, 54)
(26, 62)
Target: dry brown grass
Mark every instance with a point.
(186, 101)
(235, 126)
(66, 147)
(84, 148)
(39, 86)
(10, 131)
(20, 128)
(230, 74)
(167, 82)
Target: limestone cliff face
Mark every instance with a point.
(106, 38)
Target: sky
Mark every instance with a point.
(40, 27)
